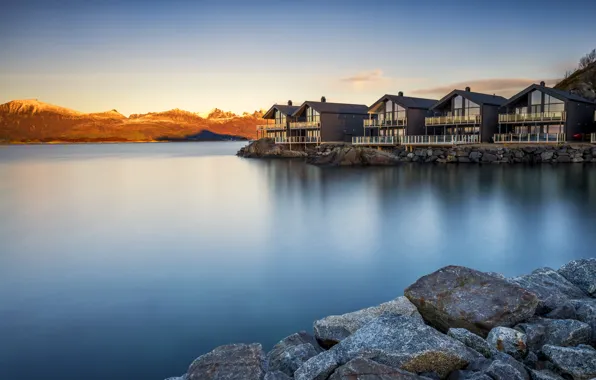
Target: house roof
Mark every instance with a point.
(476, 97)
(559, 94)
(325, 107)
(286, 110)
(405, 101)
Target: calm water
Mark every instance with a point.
(128, 261)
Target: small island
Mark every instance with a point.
(456, 323)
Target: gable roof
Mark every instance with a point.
(476, 97)
(559, 94)
(405, 101)
(286, 110)
(325, 107)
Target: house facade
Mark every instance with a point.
(318, 122)
(544, 114)
(465, 116)
(392, 117)
(277, 122)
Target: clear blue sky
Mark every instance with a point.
(140, 56)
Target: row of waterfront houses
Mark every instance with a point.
(536, 114)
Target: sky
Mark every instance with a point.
(239, 55)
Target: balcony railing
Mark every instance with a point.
(453, 120)
(375, 140)
(306, 125)
(369, 123)
(440, 140)
(529, 138)
(532, 117)
(298, 140)
(277, 127)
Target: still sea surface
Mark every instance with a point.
(127, 261)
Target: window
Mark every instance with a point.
(535, 101)
(400, 112)
(388, 110)
(311, 115)
(552, 104)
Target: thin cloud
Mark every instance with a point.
(503, 86)
(365, 77)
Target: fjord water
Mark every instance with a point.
(128, 261)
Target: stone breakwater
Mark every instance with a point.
(348, 155)
(456, 323)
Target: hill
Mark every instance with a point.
(582, 82)
(23, 121)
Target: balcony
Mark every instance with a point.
(315, 124)
(530, 138)
(271, 127)
(440, 140)
(532, 117)
(453, 120)
(375, 140)
(298, 140)
(370, 123)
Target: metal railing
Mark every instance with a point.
(529, 138)
(440, 140)
(532, 117)
(447, 120)
(305, 124)
(370, 123)
(375, 140)
(298, 140)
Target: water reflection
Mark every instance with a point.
(145, 256)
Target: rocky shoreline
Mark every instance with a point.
(456, 323)
(349, 155)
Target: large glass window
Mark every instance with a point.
(311, 115)
(280, 118)
(463, 107)
(536, 102)
(552, 104)
(388, 110)
(400, 112)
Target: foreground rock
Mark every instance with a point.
(556, 332)
(397, 341)
(553, 290)
(335, 328)
(461, 297)
(231, 362)
(509, 341)
(581, 273)
(348, 155)
(291, 352)
(586, 312)
(578, 362)
(471, 340)
(365, 369)
(266, 148)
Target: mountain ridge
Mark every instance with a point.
(30, 120)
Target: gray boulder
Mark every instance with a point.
(581, 273)
(468, 375)
(291, 352)
(565, 311)
(335, 328)
(578, 362)
(397, 341)
(462, 297)
(544, 375)
(231, 362)
(586, 312)
(509, 341)
(277, 375)
(552, 289)
(499, 370)
(555, 332)
(471, 340)
(366, 369)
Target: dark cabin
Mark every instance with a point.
(398, 115)
(278, 119)
(463, 112)
(539, 112)
(328, 122)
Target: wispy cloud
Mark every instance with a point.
(366, 77)
(502, 86)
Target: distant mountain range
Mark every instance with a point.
(31, 121)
